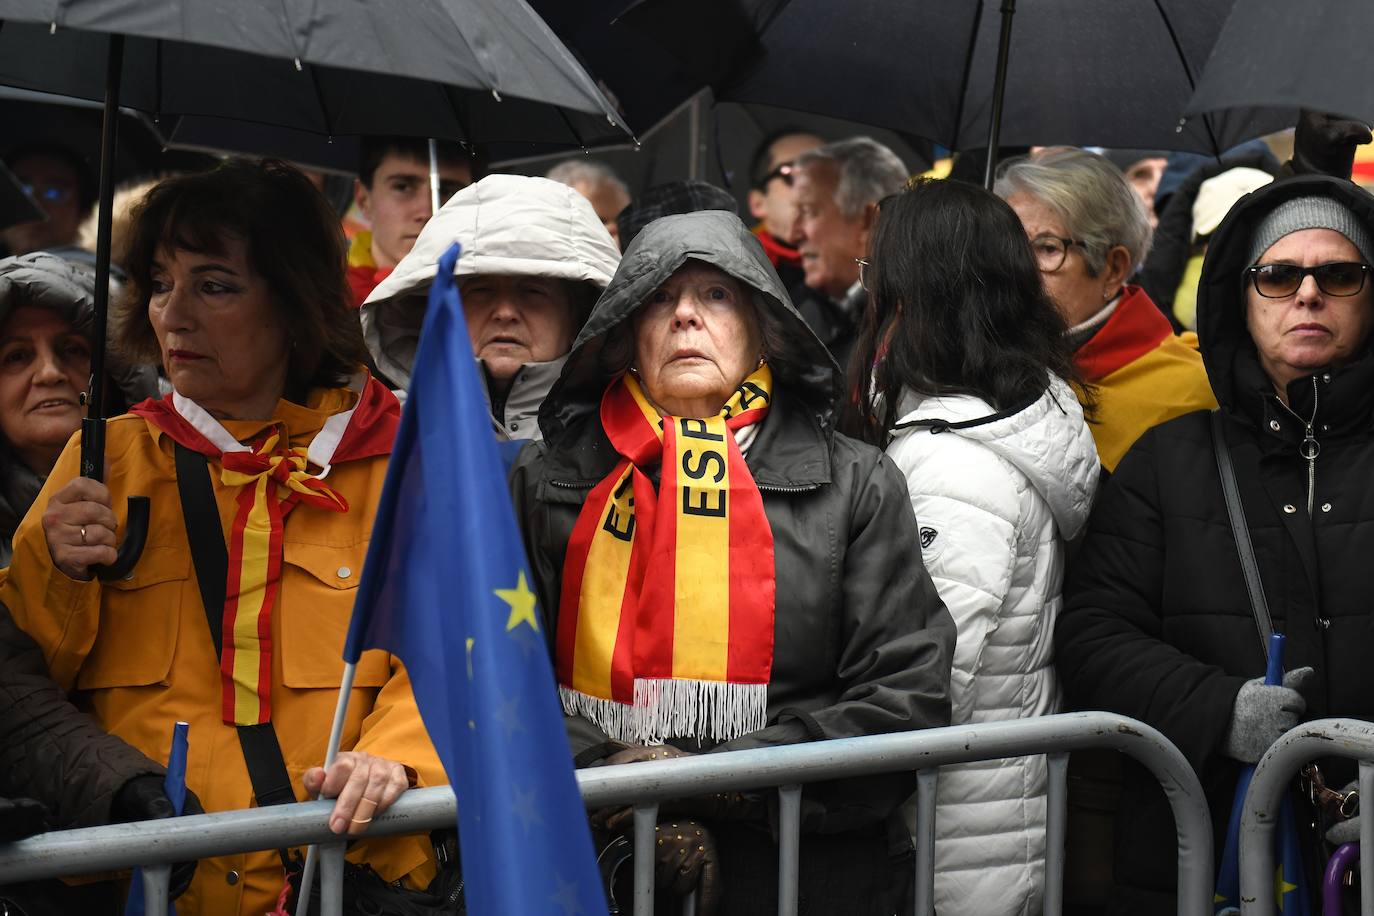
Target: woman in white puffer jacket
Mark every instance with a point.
(970, 393)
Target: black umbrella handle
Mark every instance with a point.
(136, 516)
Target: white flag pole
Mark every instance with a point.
(332, 751)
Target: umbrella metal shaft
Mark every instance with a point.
(999, 90)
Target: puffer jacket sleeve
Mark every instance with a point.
(51, 751)
(894, 667)
(966, 507)
(1109, 642)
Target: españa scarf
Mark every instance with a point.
(272, 478)
(665, 626)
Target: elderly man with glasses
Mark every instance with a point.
(1089, 232)
(838, 187)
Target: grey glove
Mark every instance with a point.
(1263, 713)
(1348, 830)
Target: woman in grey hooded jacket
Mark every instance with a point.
(813, 623)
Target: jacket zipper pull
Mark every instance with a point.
(1310, 449)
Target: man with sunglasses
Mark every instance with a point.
(773, 198)
(62, 186)
(1158, 621)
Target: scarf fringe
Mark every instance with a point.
(675, 708)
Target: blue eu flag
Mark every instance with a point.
(446, 588)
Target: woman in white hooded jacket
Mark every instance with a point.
(966, 380)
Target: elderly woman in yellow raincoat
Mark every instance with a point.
(238, 289)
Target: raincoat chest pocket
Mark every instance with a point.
(319, 583)
(139, 617)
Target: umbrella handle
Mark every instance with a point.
(136, 519)
(135, 537)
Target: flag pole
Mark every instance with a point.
(332, 751)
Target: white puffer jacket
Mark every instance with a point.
(997, 495)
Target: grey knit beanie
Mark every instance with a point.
(1313, 212)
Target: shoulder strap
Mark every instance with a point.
(1259, 606)
(261, 750)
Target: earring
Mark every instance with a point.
(762, 359)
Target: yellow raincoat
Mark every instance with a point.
(138, 654)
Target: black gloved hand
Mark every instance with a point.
(143, 799)
(685, 860)
(1324, 144)
(21, 817)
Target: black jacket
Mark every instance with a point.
(1157, 624)
(51, 751)
(863, 642)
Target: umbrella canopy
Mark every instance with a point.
(1081, 72)
(475, 71)
(1312, 55)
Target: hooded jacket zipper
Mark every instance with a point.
(1310, 448)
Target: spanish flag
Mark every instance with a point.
(1143, 374)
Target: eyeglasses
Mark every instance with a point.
(1279, 281)
(865, 266)
(49, 193)
(1051, 251)
(787, 171)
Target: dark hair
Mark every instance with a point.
(86, 188)
(956, 306)
(760, 164)
(293, 242)
(373, 149)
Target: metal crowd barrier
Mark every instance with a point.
(644, 785)
(1273, 775)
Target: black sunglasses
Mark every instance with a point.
(1279, 281)
(787, 171)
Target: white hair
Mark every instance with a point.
(573, 172)
(869, 171)
(1089, 194)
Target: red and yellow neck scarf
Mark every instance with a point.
(272, 478)
(665, 625)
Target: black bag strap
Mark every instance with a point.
(261, 750)
(1259, 606)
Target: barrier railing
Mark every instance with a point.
(1273, 775)
(155, 845)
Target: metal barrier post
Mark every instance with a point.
(1322, 738)
(156, 882)
(646, 822)
(927, 782)
(789, 848)
(1056, 828)
(331, 878)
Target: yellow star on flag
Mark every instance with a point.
(1281, 887)
(522, 602)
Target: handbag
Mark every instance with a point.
(365, 892)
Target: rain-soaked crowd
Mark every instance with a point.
(956, 448)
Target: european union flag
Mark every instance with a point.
(446, 588)
(1291, 894)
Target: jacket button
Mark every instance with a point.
(1326, 507)
(514, 427)
(231, 878)
(1274, 425)
(345, 572)
(1290, 508)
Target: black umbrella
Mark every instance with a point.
(461, 69)
(1077, 72)
(1312, 55)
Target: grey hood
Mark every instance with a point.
(805, 369)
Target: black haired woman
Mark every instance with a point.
(966, 381)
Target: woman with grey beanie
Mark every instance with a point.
(1158, 621)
